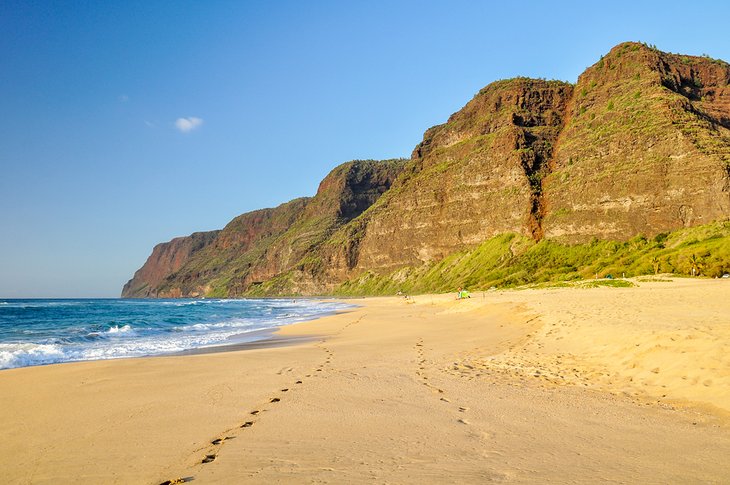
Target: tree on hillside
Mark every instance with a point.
(656, 264)
(695, 265)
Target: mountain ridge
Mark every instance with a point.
(639, 145)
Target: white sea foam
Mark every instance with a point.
(25, 304)
(124, 340)
(193, 302)
(22, 354)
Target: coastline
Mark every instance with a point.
(534, 385)
(103, 329)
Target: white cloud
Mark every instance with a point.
(189, 124)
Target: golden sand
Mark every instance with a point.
(556, 385)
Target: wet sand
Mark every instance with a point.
(556, 385)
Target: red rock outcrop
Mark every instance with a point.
(646, 148)
(259, 246)
(471, 178)
(640, 145)
(166, 259)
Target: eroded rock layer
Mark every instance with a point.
(646, 149)
(640, 145)
(258, 246)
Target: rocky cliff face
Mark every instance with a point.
(640, 145)
(239, 246)
(471, 178)
(166, 258)
(292, 264)
(262, 245)
(646, 148)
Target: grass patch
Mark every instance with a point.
(609, 283)
(653, 279)
(512, 260)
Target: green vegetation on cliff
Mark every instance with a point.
(510, 260)
(273, 251)
(531, 182)
(645, 150)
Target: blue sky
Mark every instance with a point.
(125, 124)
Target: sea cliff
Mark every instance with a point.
(637, 150)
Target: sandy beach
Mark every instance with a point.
(560, 385)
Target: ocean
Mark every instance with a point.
(49, 331)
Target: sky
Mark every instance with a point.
(125, 124)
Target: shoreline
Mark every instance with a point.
(528, 386)
(271, 338)
(258, 338)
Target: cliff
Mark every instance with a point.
(639, 146)
(166, 258)
(646, 149)
(260, 245)
(471, 178)
(217, 269)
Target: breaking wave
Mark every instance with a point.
(43, 332)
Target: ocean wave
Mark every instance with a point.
(232, 323)
(189, 303)
(177, 303)
(25, 354)
(151, 332)
(28, 354)
(46, 304)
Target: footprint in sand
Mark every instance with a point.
(298, 382)
(463, 409)
(285, 389)
(247, 424)
(254, 413)
(275, 399)
(176, 481)
(463, 421)
(209, 458)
